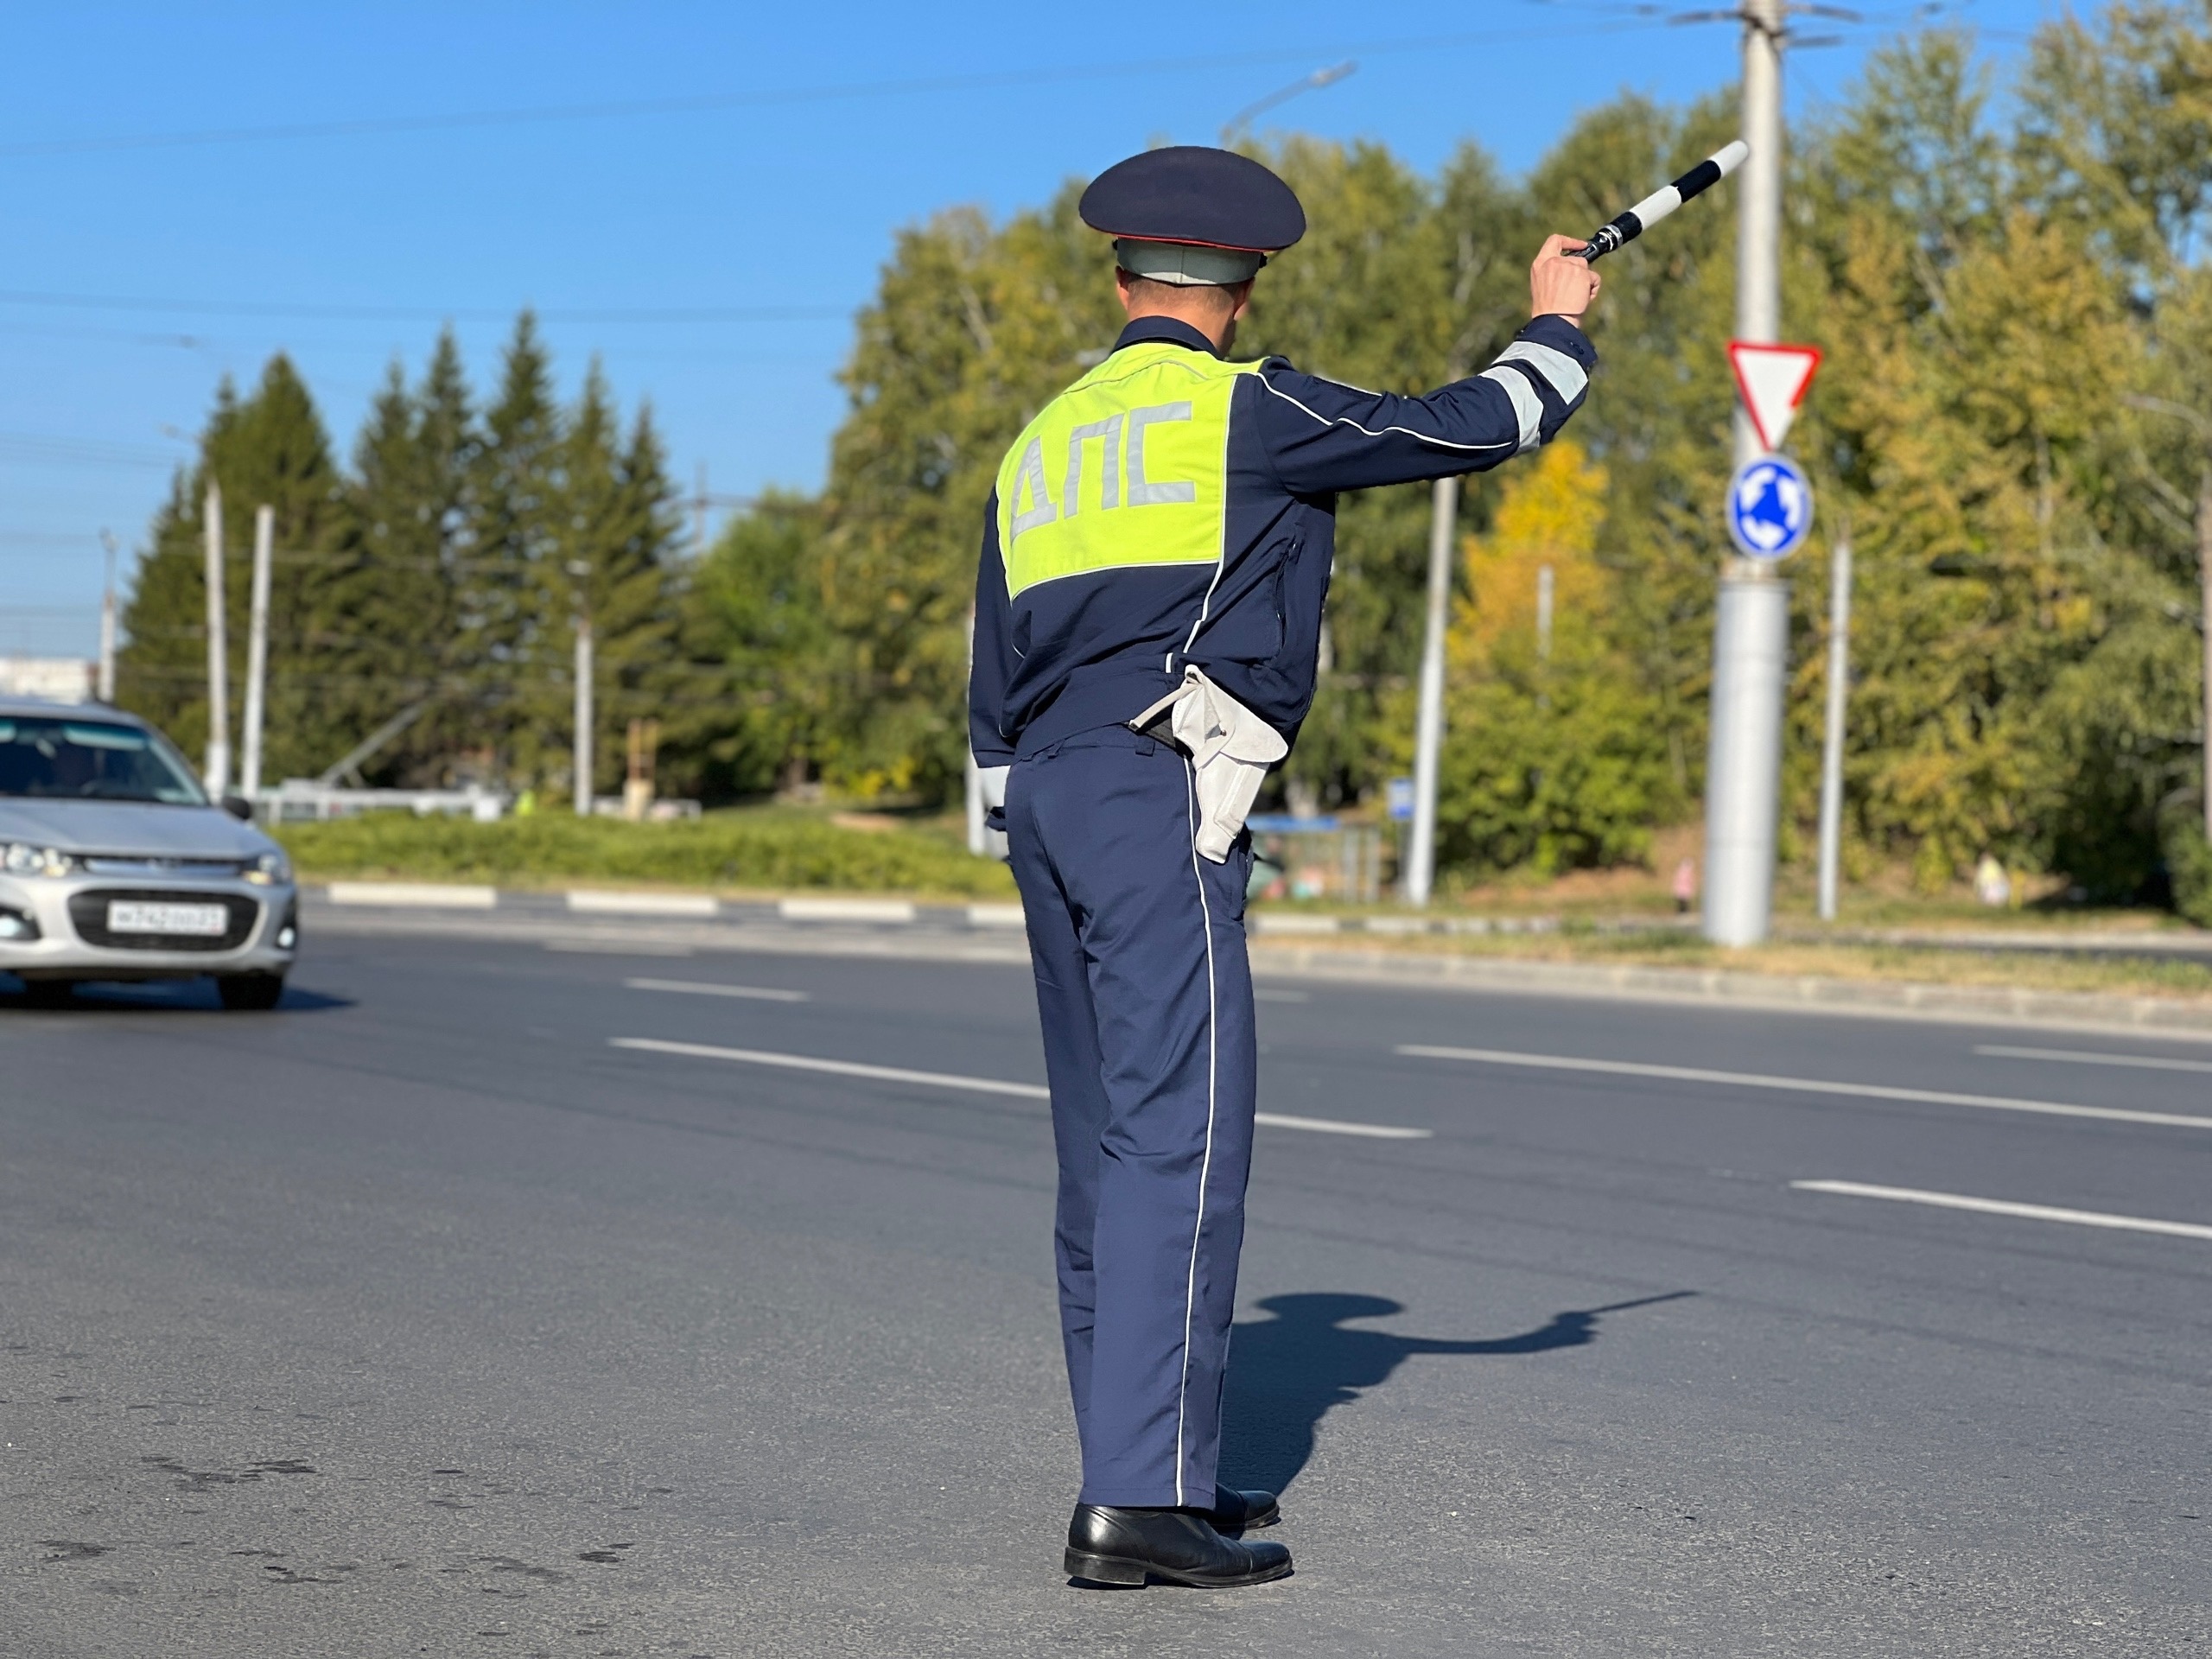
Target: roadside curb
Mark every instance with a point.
(989, 934)
(1795, 993)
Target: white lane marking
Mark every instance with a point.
(836, 1068)
(617, 948)
(426, 895)
(996, 916)
(704, 987)
(1804, 1085)
(2091, 1056)
(846, 910)
(597, 902)
(1337, 1126)
(985, 1085)
(2006, 1207)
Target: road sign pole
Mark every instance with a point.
(1832, 740)
(1752, 632)
(1748, 645)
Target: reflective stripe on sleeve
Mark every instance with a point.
(1528, 408)
(1566, 376)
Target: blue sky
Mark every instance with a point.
(811, 135)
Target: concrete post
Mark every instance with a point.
(1752, 632)
(1428, 730)
(1750, 644)
(218, 673)
(583, 759)
(1831, 739)
(257, 650)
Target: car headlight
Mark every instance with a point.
(21, 858)
(270, 870)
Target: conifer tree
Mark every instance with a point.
(269, 448)
(412, 468)
(612, 538)
(513, 646)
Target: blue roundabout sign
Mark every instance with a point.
(1770, 507)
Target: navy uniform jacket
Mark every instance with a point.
(1082, 651)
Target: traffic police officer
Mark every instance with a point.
(1147, 618)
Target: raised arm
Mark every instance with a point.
(1323, 435)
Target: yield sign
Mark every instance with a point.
(1772, 379)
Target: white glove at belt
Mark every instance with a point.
(1231, 749)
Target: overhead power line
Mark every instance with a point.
(423, 312)
(89, 451)
(769, 98)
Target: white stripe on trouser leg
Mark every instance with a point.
(1205, 1163)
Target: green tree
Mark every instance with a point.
(269, 449)
(756, 625)
(401, 645)
(506, 636)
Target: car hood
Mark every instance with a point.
(138, 829)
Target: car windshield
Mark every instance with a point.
(91, 759)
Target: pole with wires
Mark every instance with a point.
(581, 757)
(1752, 630)
(257, 650)
(218, 672)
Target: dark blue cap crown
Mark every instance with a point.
(1214, 198)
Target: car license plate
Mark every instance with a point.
(199, 921)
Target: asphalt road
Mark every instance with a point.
(419, 1317)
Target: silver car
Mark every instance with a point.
(114, 864)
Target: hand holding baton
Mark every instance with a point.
(1626, 227)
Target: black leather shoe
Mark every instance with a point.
(1235, 1512)
(1113, 1546)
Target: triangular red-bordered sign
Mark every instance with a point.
(1772, 380)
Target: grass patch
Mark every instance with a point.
(747, 848)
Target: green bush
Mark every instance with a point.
(2189, 867)
(1555, 772)
(745, 848)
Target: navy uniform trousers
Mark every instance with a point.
(1145, 997)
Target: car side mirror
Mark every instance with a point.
(238, 807)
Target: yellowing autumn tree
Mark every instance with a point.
(1549, 513)
(1548, 756)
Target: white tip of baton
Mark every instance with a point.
(1730, 156)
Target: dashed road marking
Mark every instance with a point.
(977, 1085)
(706, 988)
(1802, 1085)
(2090, 1057)
(2006, 1207)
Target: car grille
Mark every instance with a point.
(88, 914)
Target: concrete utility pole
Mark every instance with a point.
(583, 715)
(1544, 613)
(219, 688)
(1750, 641)
(1831, 739)
(106, 683)
(1420, 872)
(257, 650)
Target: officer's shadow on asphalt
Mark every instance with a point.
(1286, 1372)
